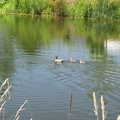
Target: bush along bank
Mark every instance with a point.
(95, 9)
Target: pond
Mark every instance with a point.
(27, 49)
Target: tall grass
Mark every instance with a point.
(104, 9)
(97, 9)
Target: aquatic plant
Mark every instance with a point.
(16, 116)
(104, 113)
(6, 94)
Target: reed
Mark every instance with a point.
(16, 116)
(5, 82)
(97, 9)
(20, 109)
(2, 106)
(95, 106)
(4, 114)
(104, 113)
(6, 94)
(118, 118)
(70, 105)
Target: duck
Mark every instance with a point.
(72, 60)
(58, 60)
(82, 62)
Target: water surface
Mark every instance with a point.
(27, 50)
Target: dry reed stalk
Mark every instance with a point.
(2, 106)
(8, 95)
(5, 93)
(4, 114)
(6, 81)
(104, 113)
(118, 118)
(95, 106)
(17, 118)
(20, 109)
(70, 105)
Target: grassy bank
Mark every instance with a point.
(96, 9)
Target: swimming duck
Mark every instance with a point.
(82, 62)
(72, 60)
(58, 60)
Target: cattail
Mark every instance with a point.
(70, 105)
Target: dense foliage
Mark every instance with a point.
(100, 9)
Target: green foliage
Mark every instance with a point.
(23, 6)
(37, 7)
(97, 9)
(80, 9)
(103, 9)
(8, 8)
(71, 10)
(3, 2)
(58, 7)
(77, 10)
(114, 10)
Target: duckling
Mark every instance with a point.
(72, 60)
(58, 60)
(82, 62)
